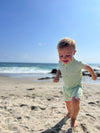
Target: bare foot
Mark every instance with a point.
(73, 123)
(68, 115)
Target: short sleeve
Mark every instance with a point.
(82, 65)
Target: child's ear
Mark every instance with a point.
(75, 52)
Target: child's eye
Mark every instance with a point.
(61, 56)
(67, 55)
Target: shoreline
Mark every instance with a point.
(28, 106)
(44, 77)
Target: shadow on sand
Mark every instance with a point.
(58, 126)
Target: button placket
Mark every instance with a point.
(66, 71)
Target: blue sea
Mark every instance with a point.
(34, 70)
(20, 70)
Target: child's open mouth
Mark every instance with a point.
(65, 61)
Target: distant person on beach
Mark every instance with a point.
(70, 69)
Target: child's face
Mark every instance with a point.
(66, 54)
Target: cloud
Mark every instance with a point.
(41, 44)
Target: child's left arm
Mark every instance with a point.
(91, 71)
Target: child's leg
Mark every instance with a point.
(69, 108)
(75, 110)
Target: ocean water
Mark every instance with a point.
(20, 70)
(26, 67)
(37, 70)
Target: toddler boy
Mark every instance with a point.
(70, 69)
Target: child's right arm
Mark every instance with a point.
(56, 79)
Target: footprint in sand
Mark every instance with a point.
(30, 89)
(98, 103)
(49, 99)
(23, 105)
(36, 108)
(91, 116)
(19, 118)
(84, 128)
(91, 103)
(3, 97)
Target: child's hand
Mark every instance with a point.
(56, 79)
(94, 76)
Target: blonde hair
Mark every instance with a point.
(66, 42)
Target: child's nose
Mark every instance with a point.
(64, 57)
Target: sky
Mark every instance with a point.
(31, 29)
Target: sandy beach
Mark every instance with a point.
(27, 106)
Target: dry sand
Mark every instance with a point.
(27, 106)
